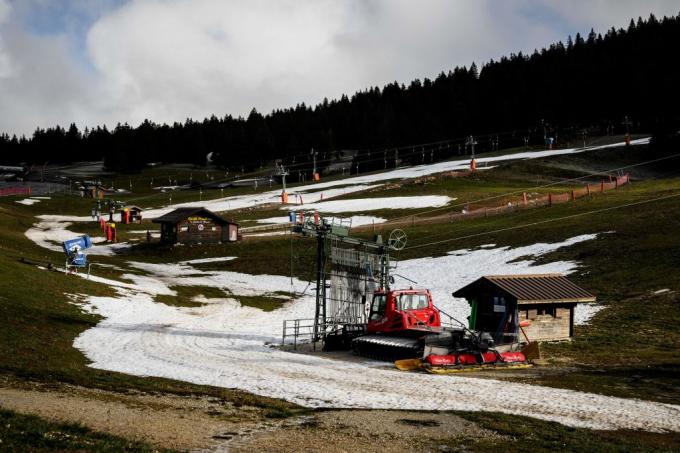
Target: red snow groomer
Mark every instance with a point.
(405, 326)
(398, 322)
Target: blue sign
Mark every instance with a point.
(73, 249)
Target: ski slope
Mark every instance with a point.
(225, 344)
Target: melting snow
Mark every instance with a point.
(210, 260)
(51, 231)
(584, 312)
(357, 220)
(317, 192)
(28, 201)
(223, 344)
(372, 204)
(461, 164)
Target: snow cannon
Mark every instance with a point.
(73, 249)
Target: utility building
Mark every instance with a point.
(500, 302)
(131, 214)
(193, 225)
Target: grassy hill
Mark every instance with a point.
(628, 350)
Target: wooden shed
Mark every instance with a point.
(130, 214)
(194, 225)
(500, 302)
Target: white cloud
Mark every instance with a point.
(4, 10)
(171, 59)
(604, 14)
(5, 65)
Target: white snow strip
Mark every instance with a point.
(584, 312)
(357, 220)
(331, 189)
(51, 231)
(461, 164)
(267, 233)
(322, 191)
(298, 196)
(223, 344)
(275, 220)
(216, 259)
(28, 201)
(372, 204)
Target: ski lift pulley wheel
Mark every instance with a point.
(397, 239)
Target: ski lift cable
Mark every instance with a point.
(518, 191)
(541, 222)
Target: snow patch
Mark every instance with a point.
(222, 343)
(216, 259)
(372, 204)
(357, 220)
(51, 231)
(28, 201)
(584, 312)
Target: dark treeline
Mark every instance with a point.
(590, 82)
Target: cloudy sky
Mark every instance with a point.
(108, 61)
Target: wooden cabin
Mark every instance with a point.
(130, 214)
(193, 225)
(500, 302)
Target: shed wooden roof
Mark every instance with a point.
(182, 213)
(532, 288)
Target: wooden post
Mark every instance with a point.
(573, 196)
(549, 199)
(524, 198)
(588, 189)
(602, 186)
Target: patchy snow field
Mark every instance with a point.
(224, 344)
(313, 193)
(461, 164)
(51, 231)
(29, 201)
(318, 192)
(356, 220)
(373, 204)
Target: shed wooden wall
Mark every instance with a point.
(191, 233)
(546, 327)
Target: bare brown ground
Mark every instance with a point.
(203, 423)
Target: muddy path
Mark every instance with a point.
(202, 423)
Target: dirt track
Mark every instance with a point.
(210, 424)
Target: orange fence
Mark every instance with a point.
(524, 202)
(15, 191)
